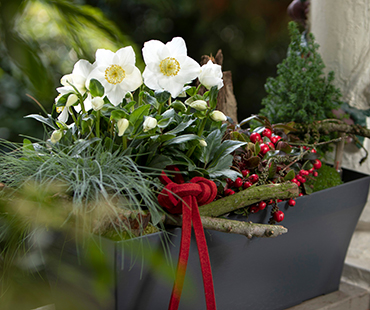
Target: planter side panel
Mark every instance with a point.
(270, 274)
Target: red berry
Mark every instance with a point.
(300, 194)
(271, 145)
(275, 139)
(254, 209)
(254, 137)
(311, 170)
(245, 172)
(303, 180)
(313, 151)
(315, 174)
(238, 182)
(278, 216)
(279, 200)
(291, 202)
(317, 164)
(229, 192)
(264, 148)
(267, 133)
(247, 184)
(253, 178)
(262, 205)
(229, 181)
(303, 173)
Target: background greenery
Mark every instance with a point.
(40, 40)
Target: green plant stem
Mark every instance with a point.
(124, 142)
(73, 116)
(98, 124)
(160, 108)
(200, 132)
(196, 91)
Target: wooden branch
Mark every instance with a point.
(328, 126)
(224, 225)
(249, 196)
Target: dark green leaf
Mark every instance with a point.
(290, 175)
(213, 97)
(182, 139)
(162, 96)
(96, 89)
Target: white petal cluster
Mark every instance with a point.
(218, 116)
(122, 125)
(116, 72)
(167, 66)
(211, 75)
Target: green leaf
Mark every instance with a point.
(227, 147)
(46, 120)
(213, 141)
(160, 162)
(148, 99)
(178, 106)
(181, 127)
(290, 175)
(213, 97)
(136, 118)
(118, 114)
(96, 89)
(162, 96)
(182, 139)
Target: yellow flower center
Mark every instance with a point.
(114, 74)
(59, 109)
(169, 66)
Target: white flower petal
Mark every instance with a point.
(151, 51)
(177, 46)
(63, 117)
(126, 56)
(173, 87)
(150, 79)
(131, 82)
(103, 57)
(116, 95)
(82, 68)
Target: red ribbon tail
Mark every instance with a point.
(204, 259)
(184, 253)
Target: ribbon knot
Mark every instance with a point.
(184, 198)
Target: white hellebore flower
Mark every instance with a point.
(203, 143)
(199, 105)
(167, 66)
(56, 136)
(78, 78)
(97, 103)
(211, 75)
(122, 125)
(117, 73)
(218, 116)
(149, 123)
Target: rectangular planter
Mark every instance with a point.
(259, 273)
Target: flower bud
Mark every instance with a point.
(199, 105)
(122, 125)
(149, 123)
(202, 143)
(97, 103)
(211, 75)
(56, 136)
(218, 116)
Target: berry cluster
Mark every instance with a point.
(268, 158)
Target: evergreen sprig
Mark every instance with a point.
(300, 92)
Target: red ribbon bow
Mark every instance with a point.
(184, 198)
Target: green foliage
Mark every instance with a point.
(300, 92)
